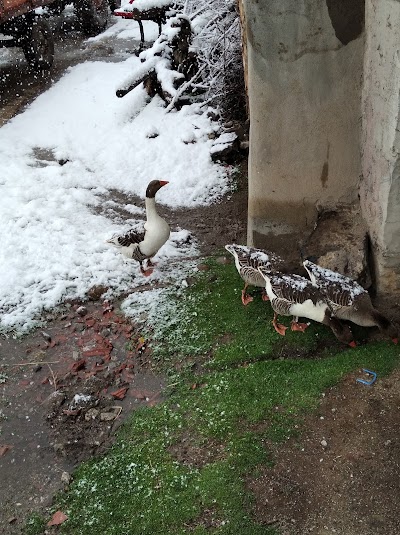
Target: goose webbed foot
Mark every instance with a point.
(148, 271)
(264, 296)
(296, 326)
(246, 298)
(279, 328)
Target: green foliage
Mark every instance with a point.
(180, 467)
(209, 318)
(35, 525)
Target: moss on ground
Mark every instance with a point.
(180, 467)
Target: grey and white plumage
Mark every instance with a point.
(143, 245)
(294, 295)
(247, 262)
(348, 299)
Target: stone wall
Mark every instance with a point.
(305, 62)
(380, 187)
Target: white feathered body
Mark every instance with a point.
(292, 295)
(141, 246)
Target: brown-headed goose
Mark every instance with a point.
(247, 262)
(144, 245)
(293, 295)
(348, 300)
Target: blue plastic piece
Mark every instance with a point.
(371, 381)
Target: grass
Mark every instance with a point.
(180, 467)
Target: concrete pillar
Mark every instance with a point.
(380, 187)
(305, 60)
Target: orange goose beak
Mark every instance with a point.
(352, 344)
(164, 182)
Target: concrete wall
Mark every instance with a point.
(305, 61)
(380, 187)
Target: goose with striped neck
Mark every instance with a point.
(293, 295)
(143, 245)
(247, 262)
(348, 300)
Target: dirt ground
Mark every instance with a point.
(66, 388)
(343, 475)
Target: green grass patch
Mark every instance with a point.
(209, 318)
(35, 525)
(180, 467)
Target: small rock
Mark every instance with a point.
(46, 336)
(81, 401)
(324, 443)
(12, 519)
(82, 311)
(75, 355)
(91, 414)
(107, 416)
(58, 447)
(66, 478)
(223, 260)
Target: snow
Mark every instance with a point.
(143, 5)
(337, 287)
(54, 219)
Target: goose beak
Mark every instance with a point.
(395, 340)
(352, 344)
(164, 182)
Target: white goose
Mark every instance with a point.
(348, 300)
(142, 246)
(247, 262)
(293, 295)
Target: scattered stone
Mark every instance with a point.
(223, 260)
(152, 135)
(4, 449)
(225, 148)
(46, 336)
(95, 292)
(91, 414)
(82, 401)
(55, 400)
(66, 478)
(82, 311)
(324, 443)
(75, 355)
(107, 416)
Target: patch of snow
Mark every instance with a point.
(54, 219)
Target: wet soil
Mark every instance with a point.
(343, 475)
(64, 391)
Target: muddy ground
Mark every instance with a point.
(66, 388)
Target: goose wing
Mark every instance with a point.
(250, 257)
(131, 237)
(341, 291)
(294, 289)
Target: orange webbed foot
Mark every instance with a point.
(264, 296)
(296, 326)
(279, 328)
(146, 272)
(246, 298)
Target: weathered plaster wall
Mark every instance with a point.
(380, 187)
(305, 108)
